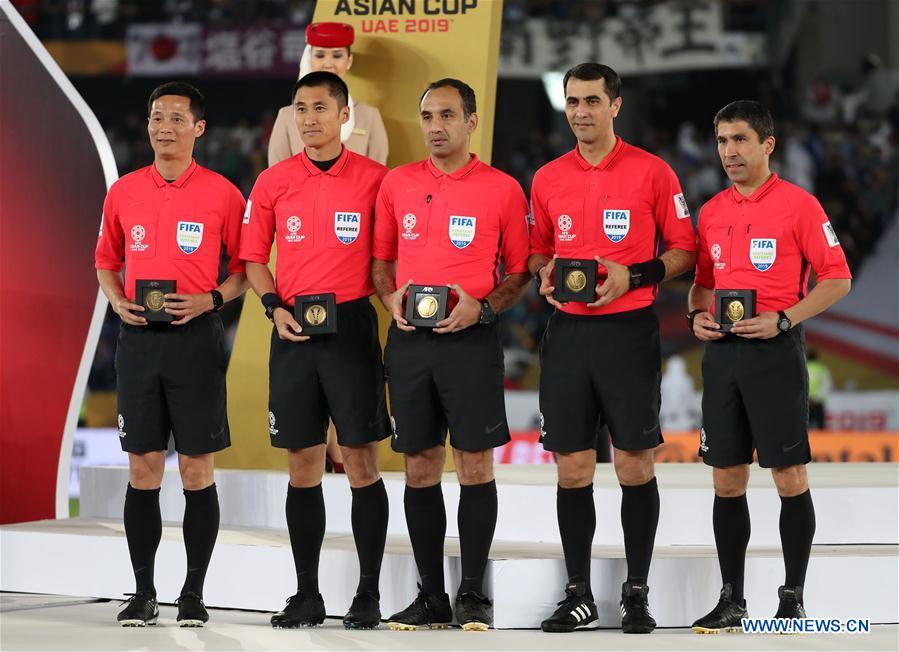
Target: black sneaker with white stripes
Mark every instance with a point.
(140, 610)
(635, 616)
(576, 611)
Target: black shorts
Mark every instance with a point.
(171, 379)
(452, 380)
(755, 396)
(338, 376)
(602, 370)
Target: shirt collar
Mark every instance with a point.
(760, 192)
(180, 181)
(334, 170)
(603, 164)
(458, 174)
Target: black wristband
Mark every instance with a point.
(218, 301)
(692, 315)
(651, 272)
(537, 280)
(271, 300)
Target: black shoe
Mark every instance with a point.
(576, 611)
(426, 611)
(474, 612)
(790, 602)
(635, 616)
(364, 613)
(727, 615)
(141, 610)
(191, 610)
(302, 610)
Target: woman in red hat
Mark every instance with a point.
(328, 48)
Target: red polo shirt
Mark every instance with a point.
(322, 221)
(452, 228)
(768, 242)
(619, 209)
(171, 230)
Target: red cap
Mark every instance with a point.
(329, 35)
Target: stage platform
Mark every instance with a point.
(42, 622)
(855, 503)
(852, 572)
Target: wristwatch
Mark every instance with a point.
(636, 276)
(217, 300)
(691, 316)
(488, 315)
(537, 280)
(783, 323)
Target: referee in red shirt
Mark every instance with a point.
(169, 221)
(610, 202)
(763, 234)
(448, 221)
(319, 208)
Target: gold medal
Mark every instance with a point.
(427, 306)
(316, 314)
(575, 280)
(154, 300)
(735, 311)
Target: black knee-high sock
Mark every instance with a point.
(576, 512)
(426, 520)
(305, 509)
(143, 530)
(797, 529)
(730, 521)
(477, 524)
(200, 527)
(639, 519)
(369, 516)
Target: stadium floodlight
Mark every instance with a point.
(552, 84)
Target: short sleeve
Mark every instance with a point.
(671, 212)
(258, 224)
(110, 251)
(384, 242)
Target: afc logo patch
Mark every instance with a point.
(762, 253)
(616, 223)
(189, 236)
(346, 226)
(461, 230)
(409, 222)
(138, 233)
(565, 224)
(294, 224)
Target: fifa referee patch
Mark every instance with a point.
(830, 234)
(680, 205)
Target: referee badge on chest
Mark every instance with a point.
(461, 230)
(189, 236)
(762, 253)
(616, 223)
(346, 226)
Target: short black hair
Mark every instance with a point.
(469, 102)
(592, 72)
(182, 89)
(755, 114)
(337, 88)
